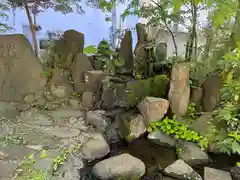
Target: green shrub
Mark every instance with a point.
(178, 131)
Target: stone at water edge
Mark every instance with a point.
(235, 172)
(97, 119)
(215, 174)
(179, 92)
(96, 147)
(192, 154)
(162, 139)
(179, 169)
(153, 109)
(131, 125)
(123, 165)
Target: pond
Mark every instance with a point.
(156, 158)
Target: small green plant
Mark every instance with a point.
(238, 164)
(61, 159)
(46, 74)
(10, 139)
(179, 151)
(191, 113)
(130, 138)
(179, 131)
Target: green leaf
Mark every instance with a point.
(236, 147)
(108, 19)
(90, 50)
(43, 154)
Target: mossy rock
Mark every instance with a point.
(131, 93)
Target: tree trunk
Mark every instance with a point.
(33, 31)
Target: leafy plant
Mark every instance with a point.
(90, 50)
(108, 59)
(178, 131)
(191, 112)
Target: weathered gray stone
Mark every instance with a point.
(161, 51)
(153, 109)
(235, 172)
(129, 94)
(162, 139)
(70, 169)
(20, 69)
(112, 133)
(133, 126)
(63, 132)
(66, 48)
(95, 148)
(123, 165)
(126, 51)
(88, 100)
(196, 97)
(60, 84)
(203, 125)
(80, 65)
(179, 92)
(66, 114)
(7, 169)
(215, 174)
(192, 154)
(37, 117)
(211, 92)
(93, 80)
(98, 119)
(180, 170)
(75, 103)
(7, 110)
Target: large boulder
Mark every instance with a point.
(153, 109)
(66, 48)
(179, 93)
(123, 165)
(131, 125)
(20, 72)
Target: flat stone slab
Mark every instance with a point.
(215, 174)
(7, 169)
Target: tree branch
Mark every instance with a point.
(166, 25)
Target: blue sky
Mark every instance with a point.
(92, 23)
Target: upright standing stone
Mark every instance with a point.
(68, 47)
(20, 70)
(211, 92)
(126, 51)
(80, 65)
(161, 51)
(141, 41)
(179, 92)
